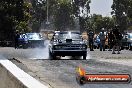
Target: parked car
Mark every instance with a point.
(67, 44)
(124, 42)
(127, 41)
(130, 40)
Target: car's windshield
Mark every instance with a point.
(130, 36)
(69, 35)
(34, 36)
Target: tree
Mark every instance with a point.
(62, 14)
(81, 9)
(38, 13)
(12, 14)
(122, 9)
(97, 22)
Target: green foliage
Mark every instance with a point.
(77, 4)
(96, 22)
(122, 9)
(63, 15)
(12, 14)
(38, 13)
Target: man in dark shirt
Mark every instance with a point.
(110, 39)
(91, 37)
(116, 40)
(17, 36)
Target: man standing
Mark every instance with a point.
(110, 39)
(117, 38)
(102, 40)
(17, 36)
(90, 38)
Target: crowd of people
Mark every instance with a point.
(114, 37)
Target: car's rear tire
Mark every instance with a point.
(84, 57)
(25, 46)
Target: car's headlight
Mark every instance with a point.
(57, 47)
(84, 46)
(85, 41)
(55, 40)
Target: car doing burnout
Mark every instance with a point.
(31, 40)
(67, 44)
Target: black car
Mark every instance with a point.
(67, 44)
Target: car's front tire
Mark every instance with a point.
(51, 55)
(84, 57)
(130, 47)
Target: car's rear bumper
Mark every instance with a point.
(70, 52)
(35, 42)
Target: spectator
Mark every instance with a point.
(110, 39)
(116, 40)
(91, 38)
(102, 40)
(17, 36)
